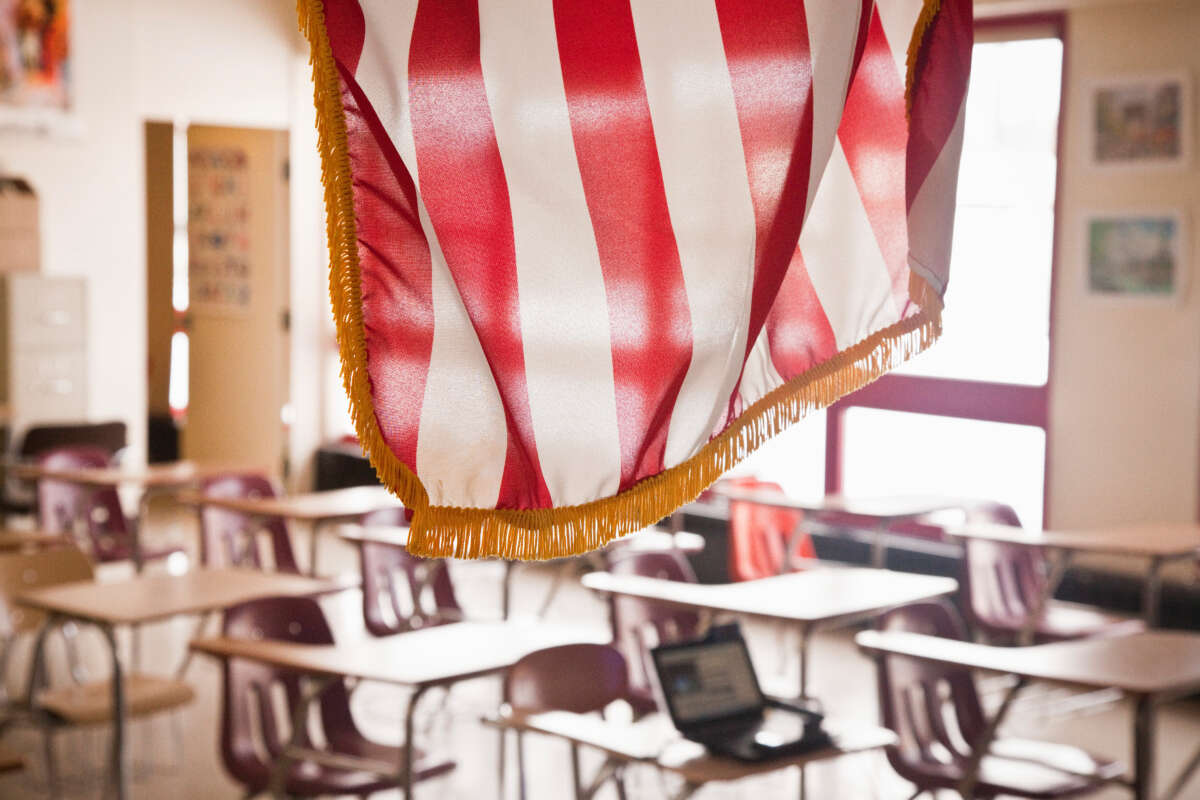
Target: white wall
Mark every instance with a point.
(227, 62)
(1125, 404)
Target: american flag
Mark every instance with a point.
(588, 254)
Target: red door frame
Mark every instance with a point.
(978, 400)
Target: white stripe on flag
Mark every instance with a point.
(843, 259)
(704, 174)
(564, 309)
(931, 217)
(462, 445)
(832, 35)
(899, 18)
(760, 375)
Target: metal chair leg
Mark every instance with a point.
(53, 787)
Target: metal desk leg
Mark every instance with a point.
(314, 541)
(1151, 592)
(1181, 780)
(278, 781)
(409, 745)
(510, 566)
(979, 749)
(119, 776)
(1058, 569)
(879, 547)
(805, 636)
(1143, 748)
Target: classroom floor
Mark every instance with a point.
(175, 755)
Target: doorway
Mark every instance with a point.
(217, 293)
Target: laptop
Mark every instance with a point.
(713, 697)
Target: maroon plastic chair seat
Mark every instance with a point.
(580, 678)
(227, 537)
(935, 711)
(424, 597)
(639, 624)
(69, 508)
(248, 716)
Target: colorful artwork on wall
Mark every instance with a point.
(35, 65)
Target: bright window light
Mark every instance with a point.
(997, 317)
(895, 452)
(177, 391)
(795, 459)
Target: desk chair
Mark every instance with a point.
(82, 701)
(638, 625)
(228, 538)
(17, 496)
(250, 738)
(95, 511)
(1004, 583)
(935, 711)
(393, 604)
(764, 540)
(581, 678)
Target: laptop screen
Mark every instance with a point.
(707, 681)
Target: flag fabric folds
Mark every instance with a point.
(586, 255)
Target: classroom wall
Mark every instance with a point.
(225, 62)
(1125, 403)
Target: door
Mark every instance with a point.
(237, 290)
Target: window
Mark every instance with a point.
(969, 417)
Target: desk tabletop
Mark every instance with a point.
(166, 474)
(1162, 540)
(430, 657)
(21, 540)
(648, 540)
(154, 596)
(653, 739)
(885, 508)
(821, 595)
(354, 501)
(1153, 662)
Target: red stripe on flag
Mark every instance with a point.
(649, 318)
(874, 134)
(938, 94)
(770, 65)
(466, 195)
(798, 332)
(346, 28)
(395, 275)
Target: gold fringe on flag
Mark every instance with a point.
(545, 533)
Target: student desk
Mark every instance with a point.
(439, 656)
(875, 513)
(149, 598)
(650, 540)
(654, 740)
(318, 509)
(821, 597)
(1158, 543)
(1155, 667)
(13, 540)
(151, 480)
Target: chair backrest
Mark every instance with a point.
(759, 535)
(575, 677)
(638, 624)
(70, 508)
(252, 691)
(229, 538)
(934, 709)
(401, 592)
(20, 572)
(107, 436)
(1003, 583)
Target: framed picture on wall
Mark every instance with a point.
(1136, 255)
(35, 65)
(1140, 121)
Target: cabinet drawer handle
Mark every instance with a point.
(60, 386)
(56, 318)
